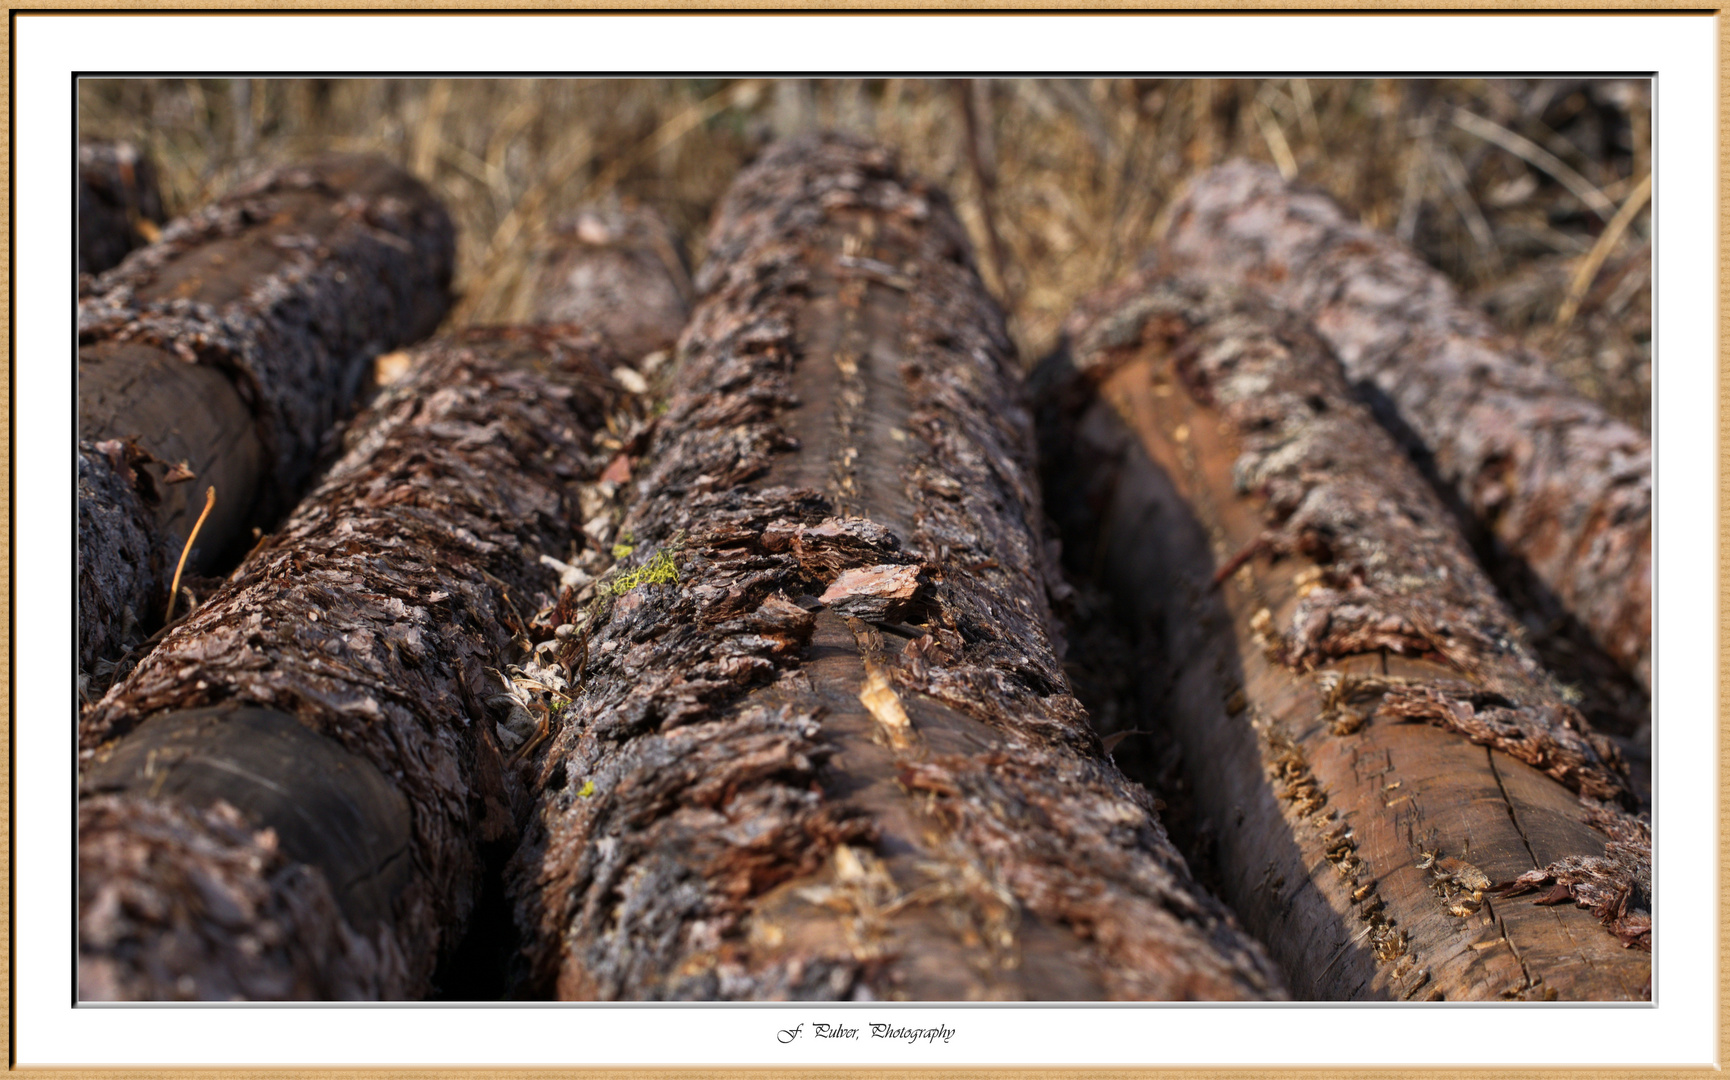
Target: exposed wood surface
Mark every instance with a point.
(1372, 745)
(341, 695)
(374, 616)
(1564, 488)
(119, 203)
(824, 748)
(280, 293)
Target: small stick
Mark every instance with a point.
(1594, 260)
(1537, 156)
(174, 588)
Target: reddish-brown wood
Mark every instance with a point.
(1368, 739)
(1564, 488)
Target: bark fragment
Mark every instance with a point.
(179, 904)
(1564, 488)
(1327, 652)
(119, 203)
(760, 794)
(229, 347)
(380, 618)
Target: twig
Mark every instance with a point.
(1275, 138)
(1454, 180)
(1538, 157)
(682, 124)
(556, 175)
(980, 157)
(1411, 197)
(1300, 92)
(174, 588)
(427, 132)
(1594, 260)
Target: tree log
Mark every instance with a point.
(1375, 749)
(339, 696)
(119, 203)
(221, 355)
(1564, 488)
(824, 748)
(618, 270)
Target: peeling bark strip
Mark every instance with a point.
(758, 793)
(378, 618)
(1565, 488)
(222, 354)
(119, 203)
(1366, 731)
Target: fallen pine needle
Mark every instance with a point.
(174, 589)
(1594, 260)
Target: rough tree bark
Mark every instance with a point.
(619, 270)
(1564, 488)
(119, 203)
(222, 354)
(1381, 761)
(369, 640)
(823, 747)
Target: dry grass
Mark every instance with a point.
(1507, 185)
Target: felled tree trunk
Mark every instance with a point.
(1376, 754)
(357, 689)
(119, 203)
(1564, 488)
(618, 270)
(823, 747)
(221, 355)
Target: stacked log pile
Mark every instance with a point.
(1563, 487)
(220, 356)
(755, 692)
(1383, 762)
(351, 695)
(823, 747)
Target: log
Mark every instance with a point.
(1562, 487)
(321, 752)
(1375, 751)
(617, 269)
(119, 203)
(823, 747)
(221, 355)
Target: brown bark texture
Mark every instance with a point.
(119, 203)
(617, 269)
(1380, 760)
(381, 617)
(221, 355)
(1564, 488)
(824, 748)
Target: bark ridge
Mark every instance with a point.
(826, 750)
(1564, 488)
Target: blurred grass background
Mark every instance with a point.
(1531, 194)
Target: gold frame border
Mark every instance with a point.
(820, 7)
